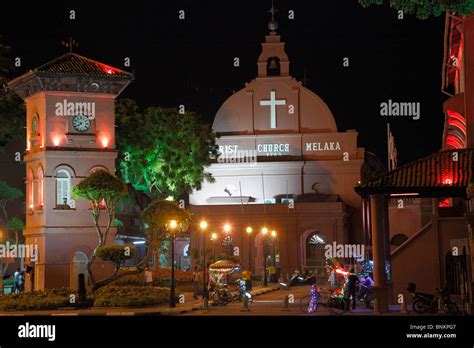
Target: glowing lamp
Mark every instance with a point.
(264, 230)
(105, 142)
(203, 224)
(214, 236)
(249, 229)
(226, 228)
(448, 181)
(56, 140)
(173, 224)
(274, 234)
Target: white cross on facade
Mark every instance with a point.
(272, 103)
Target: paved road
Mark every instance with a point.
(267, 304)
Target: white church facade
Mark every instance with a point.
(284, 165)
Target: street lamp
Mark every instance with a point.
(172, 225)
(213, 239)
(274, 235)
(203, 226)
(249, 232)
(265, 279)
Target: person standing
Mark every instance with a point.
(16, 279)
(352, 282)
(21, 282)
(148, 277)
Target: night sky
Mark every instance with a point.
(191, 62)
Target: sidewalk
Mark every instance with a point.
(189, 305)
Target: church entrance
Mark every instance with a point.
(78, 266)
(314, 253)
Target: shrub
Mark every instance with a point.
(160, 278)
(117, 253)
(37, 300)
(130, 296)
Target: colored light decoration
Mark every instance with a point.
(105, 142)
(445, 203)
(341, 271)
(108, 69)
(56, 140)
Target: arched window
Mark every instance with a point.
(315, 258)
(30, 190)
(273, 66)
(63, 189)
(40, 176)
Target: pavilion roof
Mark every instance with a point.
(437, 175)
(75, 64)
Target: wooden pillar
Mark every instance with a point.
(377, 212)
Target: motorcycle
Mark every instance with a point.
(298, 278)
(423, 302)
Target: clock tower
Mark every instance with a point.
(70, 132)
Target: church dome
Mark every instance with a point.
(274, 102)
(303, 111)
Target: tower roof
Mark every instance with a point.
(74, 73)
(75, 64)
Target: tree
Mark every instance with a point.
(7, 194)
(16, 226)
(156, 216)
(424, 9)
(167, 152)
(102, 190)
(12, 110)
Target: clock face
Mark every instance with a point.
(34, 124)
(81, 123)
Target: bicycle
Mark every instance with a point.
(309, 303)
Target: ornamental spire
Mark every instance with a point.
(273, 24)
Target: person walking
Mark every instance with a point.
(196, 282)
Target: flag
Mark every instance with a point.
(392, 150)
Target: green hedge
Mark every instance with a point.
(37, 300)
(130, 296)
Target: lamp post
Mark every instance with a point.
(249, 233)
(172, 225)
(265, 279)
(213, 239)
(203, 225)
(274, 235)
(227, 231)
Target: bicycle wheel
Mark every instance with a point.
(338, 305)
(452, 308)
(307, 305)
(418, 306)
